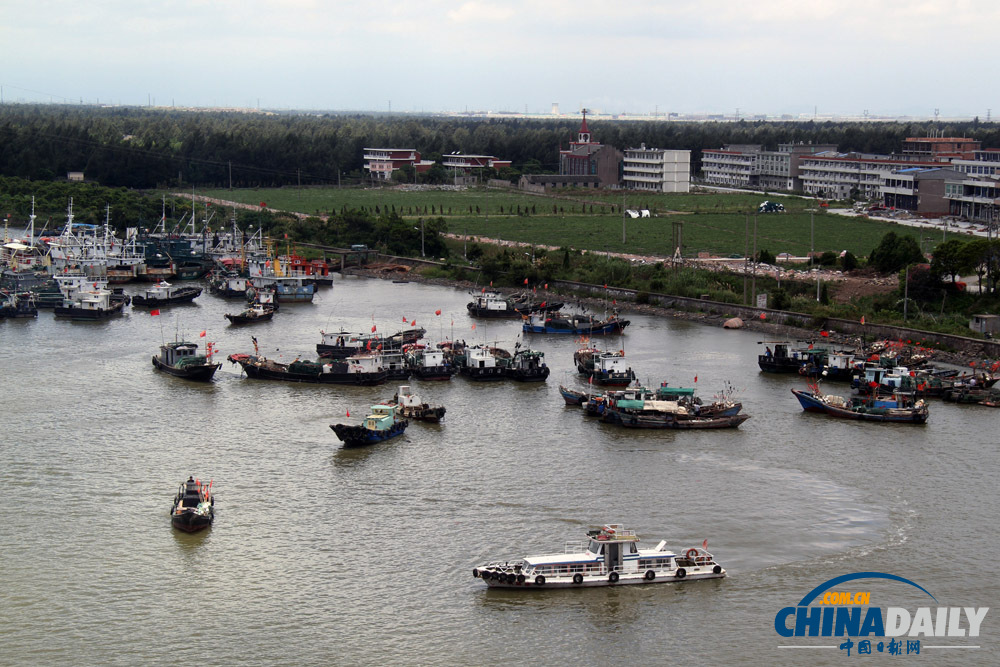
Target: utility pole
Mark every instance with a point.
(230, 174)
(906, 292)
(746, 257)
(753, 282)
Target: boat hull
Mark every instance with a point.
(359, 436)
(191, 522)
(915, 415)
(183, 295)
(597, 329)
(521, 582)
(243, 318)
(264, 373)
(197, 373)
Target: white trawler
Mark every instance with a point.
(611, 556)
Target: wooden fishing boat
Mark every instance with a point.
(410, 406)
(181, 359)
(897, 408)
(194, 506)
(255, 313)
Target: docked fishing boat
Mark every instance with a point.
(255, 313)
(973, 395)
(181, 358)
(17, 304)
(228, 284)
(668, 408)
(194, 506)
(360, 369)
(833, 365)
(483, 363)
(381, 424)
(605, 369)
(898, 407)
(95, 304)
(527, 366)
(494, 304)
(164, 294)
(610, 556)
(575, 324)
(427, 363)
(410, 406)
(340, 344)
(786, 358)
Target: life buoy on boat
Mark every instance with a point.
(613, 577)
(691, 553)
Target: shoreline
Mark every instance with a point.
(779, 331)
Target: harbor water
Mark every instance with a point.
(321, 555)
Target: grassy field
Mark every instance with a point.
(716, 223)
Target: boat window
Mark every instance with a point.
(632, 548)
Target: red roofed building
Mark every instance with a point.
(381, 162)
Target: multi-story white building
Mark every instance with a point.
(657, 169)
(850, 175)
(733, 165)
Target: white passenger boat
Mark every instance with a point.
(611, 556)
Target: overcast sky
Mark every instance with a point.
(890, 57)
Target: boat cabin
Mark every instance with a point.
(481, 358)
(612, 363)
(172, 353)
(491, 301)
(360, 363)
(381, 418)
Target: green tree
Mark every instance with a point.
(848, 262)
(951, 258)
(895, 252)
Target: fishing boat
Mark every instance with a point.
(973, 395)
(95, 304)
(340, 344)
(427, 363)
(575, 324)
(381, 424)
(605, 369)
(410, 406)
(527, 366)
(181, 358)
(255, 313)
(610, 556)
(194, 506)
(17, 304)
(786, 358)
(163, 293)
(482, 363)
(494, 304)
(668, 408)
(898, 408)
(228, 284)
(360, 369)
(572, 396)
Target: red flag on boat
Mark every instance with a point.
(824, 334)
(542, 305)
(763, 316)
(413, 323)
(810, 346)
(404, 320)
(546, 285)
(525, 281)
(263, 204)
(202, 334)
(704, 545)
(695, 378)
(437, 312)
(373, 328)
(862, 319)
(155, 311)
(484, 289)
(348, 412)
(873, 384)
(473, 326)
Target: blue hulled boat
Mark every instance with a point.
(382, 424)
(578, 325)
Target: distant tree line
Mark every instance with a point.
(146, 148)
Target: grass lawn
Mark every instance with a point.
(710, 222)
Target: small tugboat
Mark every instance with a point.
(181, 358)
(410, 406)
(163, 293)
(611, 556)
(576, 324)
(17, 305)
(787, 359)
(898, 408)
(255, 313)
(228, 284)
(381, 424)
(194, 506)
(527, 366)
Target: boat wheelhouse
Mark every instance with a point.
(610, 556)
(607, 369)
(181, 358)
